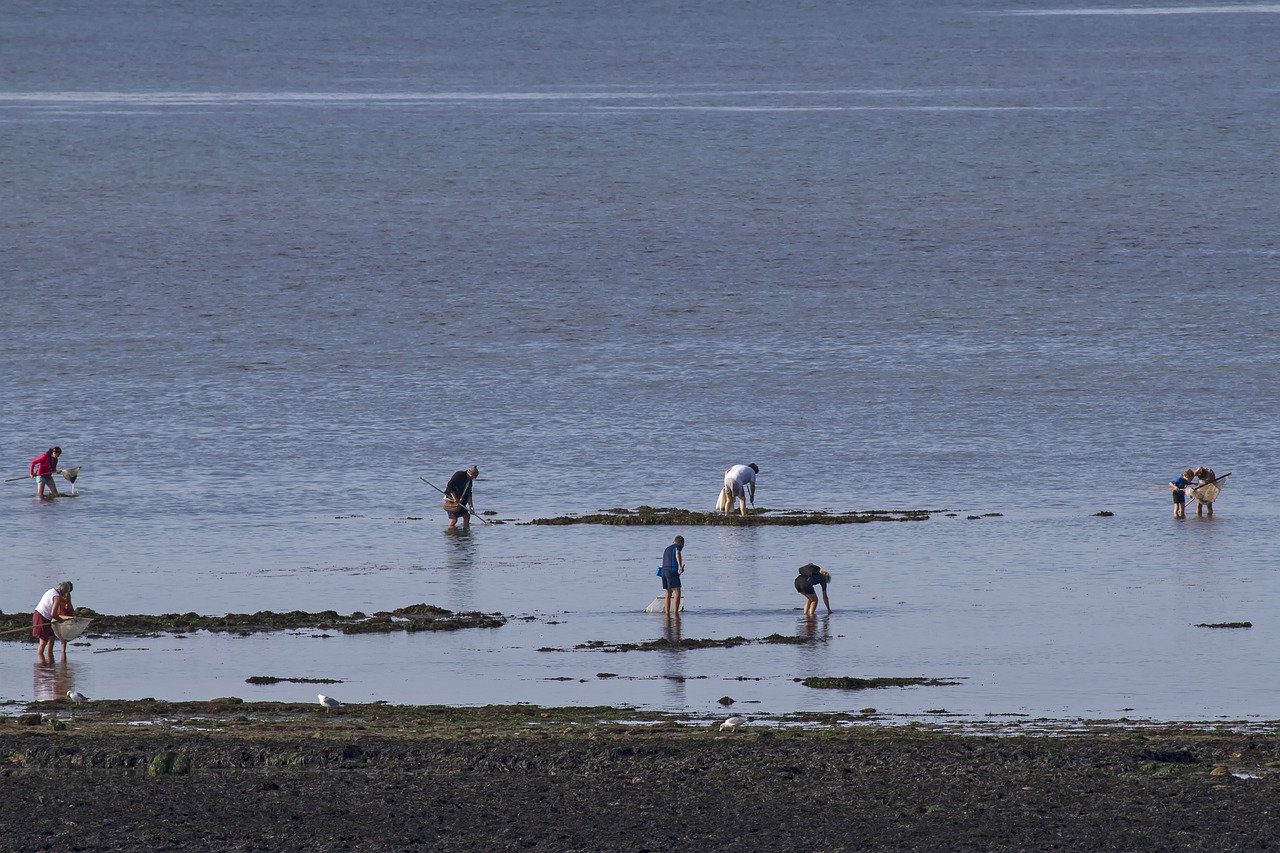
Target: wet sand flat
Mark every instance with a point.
(237, 777)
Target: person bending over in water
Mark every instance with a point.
(54, 606)
(1204, 476)
(458, 500)
(811, 575)
(739, 484)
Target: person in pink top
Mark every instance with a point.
(43, 468)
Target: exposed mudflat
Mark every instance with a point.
(231, 776)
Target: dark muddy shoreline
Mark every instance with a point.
(231, 776)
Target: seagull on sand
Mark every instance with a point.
(328, 701)
(732, 723)
(76, 696)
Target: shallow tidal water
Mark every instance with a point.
(1095, 631)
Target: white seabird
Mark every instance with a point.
(732, 723)
(328, 701)
(75, 696)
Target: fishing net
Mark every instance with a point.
(69, 629)
(1207, 493)
(659, 604)
(71, 473)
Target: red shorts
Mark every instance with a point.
(42, 628)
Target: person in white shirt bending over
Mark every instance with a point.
(739, 485)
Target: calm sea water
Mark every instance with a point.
(265, 267)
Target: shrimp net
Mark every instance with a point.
(70, 629)
(1207, 493)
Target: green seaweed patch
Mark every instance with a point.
(847, 683)
(414, 617)
(1225, 625)
(688, 643)
(169, 763)
(674, 516)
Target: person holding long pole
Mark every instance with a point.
(43, 468)
(54, 606)
(458, 500)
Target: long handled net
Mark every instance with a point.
(1207, 493)
(68, 629)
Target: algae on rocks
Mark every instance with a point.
(647, 515)
(414, 617)
(847, 683)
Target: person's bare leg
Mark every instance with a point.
(676, 602)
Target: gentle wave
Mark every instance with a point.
(1264, 9)
(415, 98)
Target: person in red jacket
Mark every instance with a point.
(43, 468)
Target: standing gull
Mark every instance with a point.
(76, 696)
(328, 702)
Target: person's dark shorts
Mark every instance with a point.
(460, 512)
(670, 578)
(41, 628)
(804, 585)
(1179, 496)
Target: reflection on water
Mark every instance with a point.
(52, 680)
(460, 564)
(673, 670)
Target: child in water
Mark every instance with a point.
(1180, 492)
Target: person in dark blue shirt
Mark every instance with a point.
(671, 569)
(1179, 487)
(458, 502)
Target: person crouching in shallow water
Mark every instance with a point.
(809, 576)
(672, 568)
(458, 500)
(1179, 487)
(54, 606)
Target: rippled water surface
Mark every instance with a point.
(263, 269)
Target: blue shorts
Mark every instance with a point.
(670, 578)
(47, 479)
